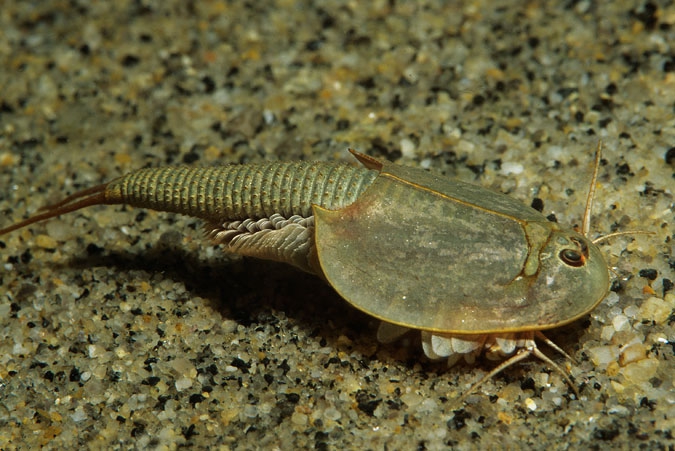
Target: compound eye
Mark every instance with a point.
(572, 257)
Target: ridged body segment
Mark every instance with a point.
(236, 192)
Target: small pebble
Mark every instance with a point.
(530, 404)
(632, 353)
(640, 372)
(510, 168)
(183, 383)
(46, 242)
(407, 148)
(79, 414)
(603, 355)
(8, 159)
(670, 156)
(620, 322)
(299, 419)
(655, 309)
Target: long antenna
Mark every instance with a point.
(586, 223)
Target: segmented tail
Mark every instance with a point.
(224, 193)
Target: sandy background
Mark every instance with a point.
(123, 328)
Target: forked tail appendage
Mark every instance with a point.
(96, 195)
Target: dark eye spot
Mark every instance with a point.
(572, 257)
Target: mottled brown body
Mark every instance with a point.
(259, 210)
(474, 270)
